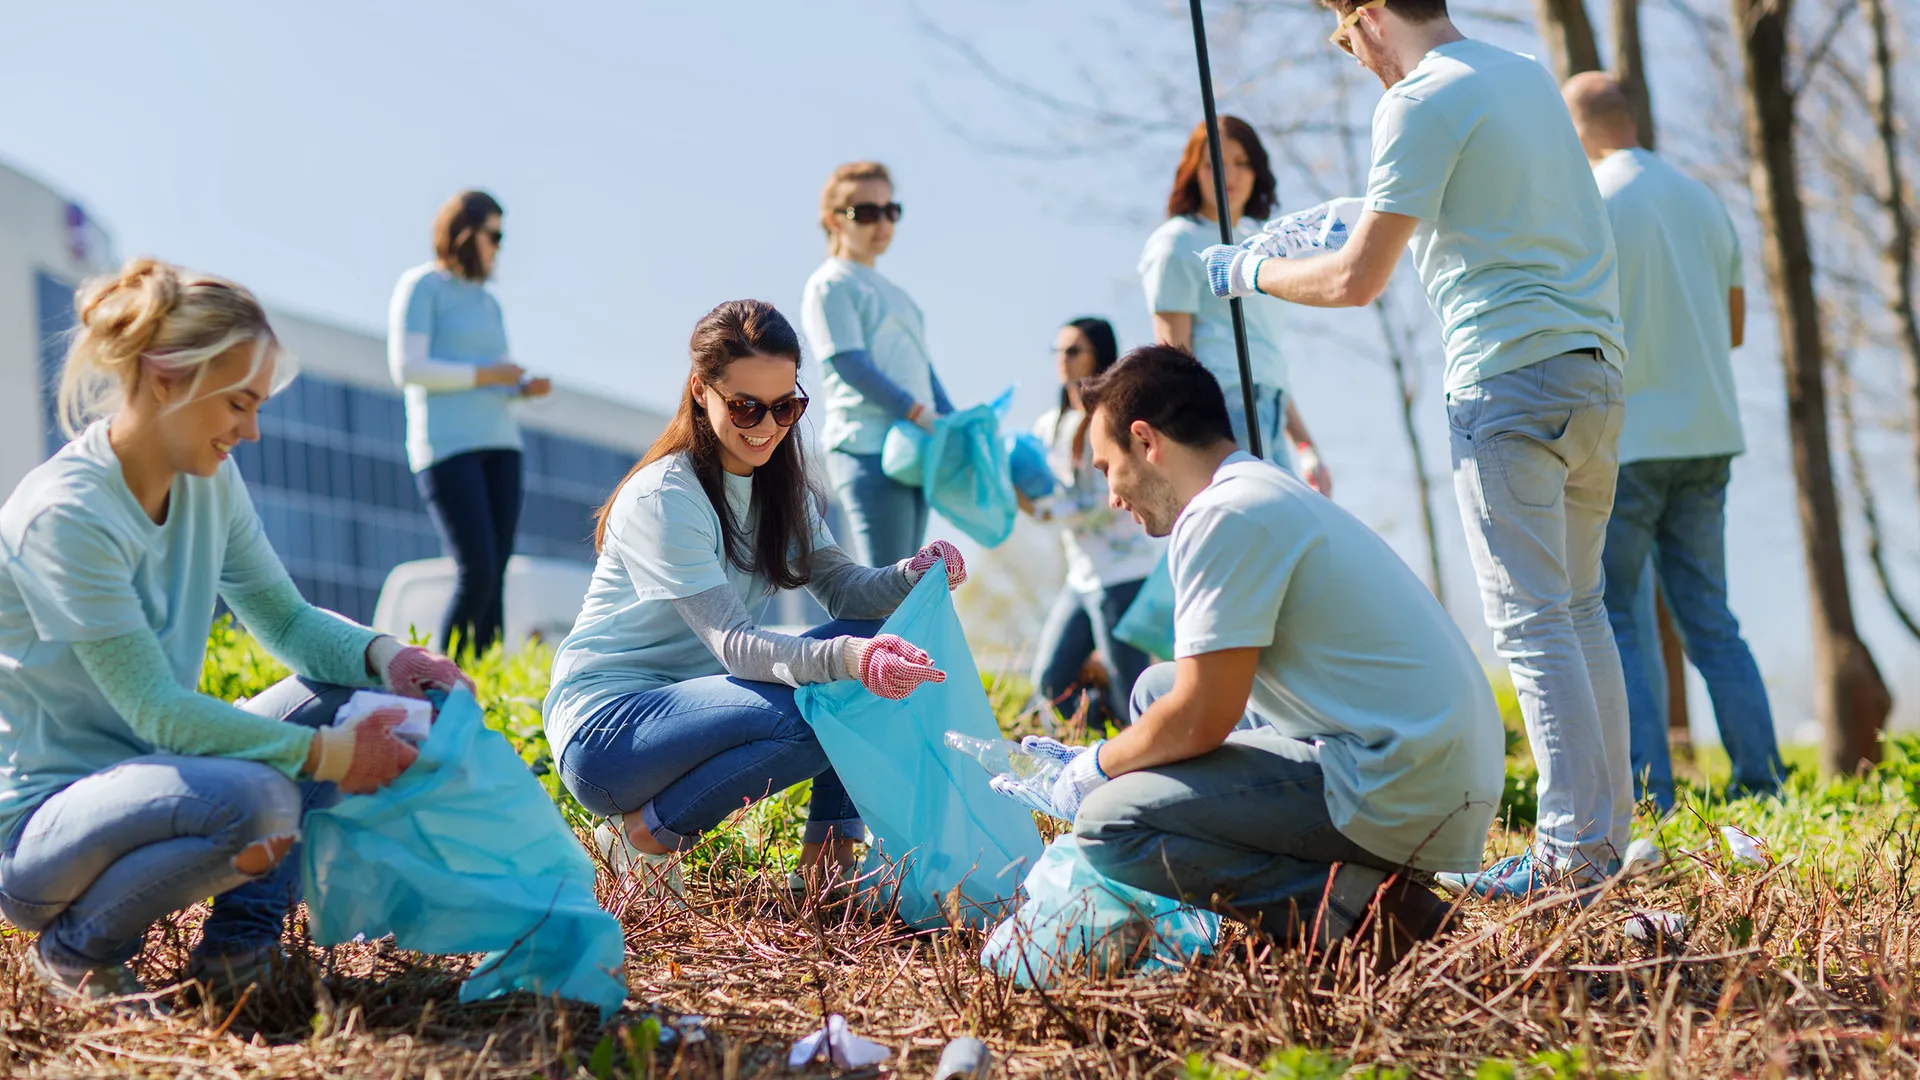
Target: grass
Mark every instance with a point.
(1802, 965)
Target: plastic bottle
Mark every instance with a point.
(999, 756)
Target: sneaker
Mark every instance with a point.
(227, 975)
(1520, 877)
(115, 984)
(657, 873)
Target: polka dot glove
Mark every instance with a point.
(1232, 271)
(890, 665)
(410, 671)
(366, 755)
(937, 551)
(1078, 775)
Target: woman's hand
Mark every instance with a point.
(937, 551)
(504, 373)
(538, 386)
(363, 757)
(923, 415)
(890, 665)
(1312, 469)
(410, 671)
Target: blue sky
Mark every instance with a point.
(656, 159)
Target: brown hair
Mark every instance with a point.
(456, 230)
(833, 197)
(783, 493)
(1165, 386)
(1185, 197)
(1414, 11)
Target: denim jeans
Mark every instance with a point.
(1079, 625)
(474, 501)
(1242, 829)
(95, 865)
(1271, 404)
(687, 755)
(1534, 467)
(1675, 511)
(887, 519)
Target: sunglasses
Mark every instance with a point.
(495, 235)
(1346, 25)
(867, 213)
(1071, 352)
(746, 413)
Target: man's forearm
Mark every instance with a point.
(1160, 737)
(1322, 281)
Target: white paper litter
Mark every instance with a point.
(1742, 849)
(1643, 854)
(849, 1051)
(1647, 925)
(414, 729)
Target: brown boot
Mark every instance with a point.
(1402, 914)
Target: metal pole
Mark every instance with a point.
(1222, 211)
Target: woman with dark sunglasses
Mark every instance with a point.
(1186, 313)
(872, 342)
(670, 708)
(447, 350)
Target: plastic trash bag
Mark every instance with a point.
(931, 813)
(1027, 464)
(1147, 624)
(1075, 916)
(962, 466)
(464, 853)
(904, 452)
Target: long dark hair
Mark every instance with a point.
(455, 232)
(1185, 198)
(782, 548)
(1106, 349)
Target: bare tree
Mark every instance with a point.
(1569, 36)
(1630, 66)
(1897, 254)
(1851, 699)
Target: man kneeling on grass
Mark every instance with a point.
(1368, 738)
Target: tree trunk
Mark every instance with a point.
(1569, 36)
(1630, 66)
(1897, 256)
(1850, 698)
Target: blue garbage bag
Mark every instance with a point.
(934, 819)
(1147, 624)
(1027, 463)
(962, 466)
(904, 452)
(465, 853)
(1075, 918)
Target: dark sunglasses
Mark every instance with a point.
(495, 235)
(746, 413)
(867, 213)
(1071, 352)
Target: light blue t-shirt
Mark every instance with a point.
(1176, 281)
(463, 324)
(847, 306)
(1679, 258)
(1356, 658)
(663, 544)
(1513, 245)
(83, 562)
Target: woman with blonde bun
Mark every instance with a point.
(124, 794)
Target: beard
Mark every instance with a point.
(1156, 505)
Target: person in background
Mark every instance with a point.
(1185, 312)
(670, 709)
(871, 340)
(1377, 745)
(124, 794)
(447, 350)
(1477, 171)
(1108, 554)
(1684, 308)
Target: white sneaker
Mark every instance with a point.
(656, 872)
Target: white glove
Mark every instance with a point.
(1071, 785)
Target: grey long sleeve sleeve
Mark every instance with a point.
(851, 591)
(720, 620)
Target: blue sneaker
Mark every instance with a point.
(1519, 877)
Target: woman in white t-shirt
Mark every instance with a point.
(871, 342)
(1108, 554)
(1187, 315)
(670, 709)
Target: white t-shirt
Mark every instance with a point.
(1679, 257)
(1103, 546)
(1356, 658)
(663, 544)
(847, 306)
(1176, 281)
(1513, 245)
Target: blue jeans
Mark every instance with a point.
(1675, 511)
(1242, 829)
(685, 756)
(474, 501)
(1079, 625)
(95, 865)
(887, 519)
(1534, 464)
(1272, 407)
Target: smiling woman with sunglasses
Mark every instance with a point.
(670, 709)
(872, 342)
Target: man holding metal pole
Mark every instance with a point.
(1477, 170)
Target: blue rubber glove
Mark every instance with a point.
(1079, 775)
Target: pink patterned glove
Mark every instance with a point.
(891, 666)
(365, 756)
(937, 551)
(409, 670)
